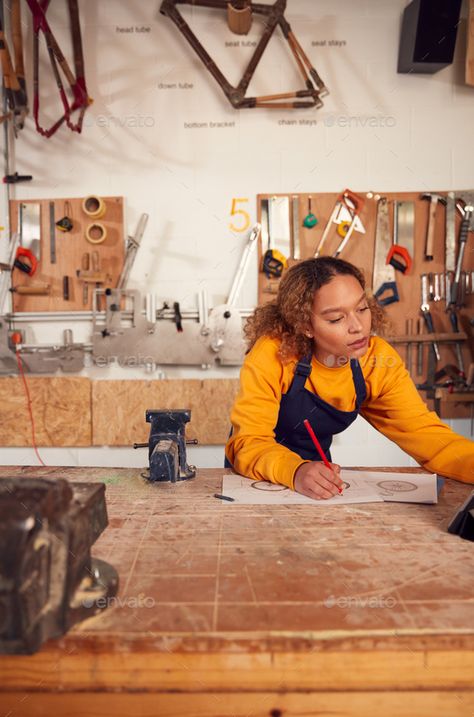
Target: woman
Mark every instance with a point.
(312, 356)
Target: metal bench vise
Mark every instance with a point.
(48, 580)
(463, 522)
(167, 446)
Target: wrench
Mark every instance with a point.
(425, 311)
(467, 212)
(434, 200)
(457, 346)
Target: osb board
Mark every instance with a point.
(118, 408)
(360, 250)
(470, 46)
(61, 410)
(70, 247)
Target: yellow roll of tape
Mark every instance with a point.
(96, 233)
(94, 207)
(343, 228)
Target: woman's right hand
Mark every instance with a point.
(316, 480)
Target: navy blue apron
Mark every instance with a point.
(326, 420)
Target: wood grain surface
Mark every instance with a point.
(353, 610)
(220, 703)
(243, 703)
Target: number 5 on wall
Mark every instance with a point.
(245, 215)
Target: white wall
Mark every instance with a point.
(377, 131)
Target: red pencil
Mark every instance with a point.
(317, 445)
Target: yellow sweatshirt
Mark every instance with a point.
(393, 406)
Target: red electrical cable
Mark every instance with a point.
(28, 399)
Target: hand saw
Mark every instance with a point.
(353, 203)
(403, 240)
(29, 222)
(384, 274)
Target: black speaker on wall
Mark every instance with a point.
(428, 36)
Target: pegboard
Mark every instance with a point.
(70, 248)
(360, 251)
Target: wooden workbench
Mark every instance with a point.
(263, 611)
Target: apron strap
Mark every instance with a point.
(302, 371)
(359, 383)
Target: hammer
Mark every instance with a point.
(429, 246)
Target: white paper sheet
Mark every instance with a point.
(360, 487)
(401, 487)
(245, 491)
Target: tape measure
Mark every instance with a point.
(273, 263)
(343, 228)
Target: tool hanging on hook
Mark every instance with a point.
(28, 267)
(467, 212)
(16, 99)
(274, 261)
(15, 178)
(310, 219)
(352, 204)
(133, 244)
(65, 223)
(434, 200)
(295, 228)
(384, 284)
(401, 252)
(6, 269)
(426, 313)
(243, 264)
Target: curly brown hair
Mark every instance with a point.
(287, 317)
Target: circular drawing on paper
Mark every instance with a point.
(266, 485)
(397, 486)
(345, 485)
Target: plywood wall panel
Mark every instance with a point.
(470, 46)
(119, 408)
(70, 248)
(61, 409)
